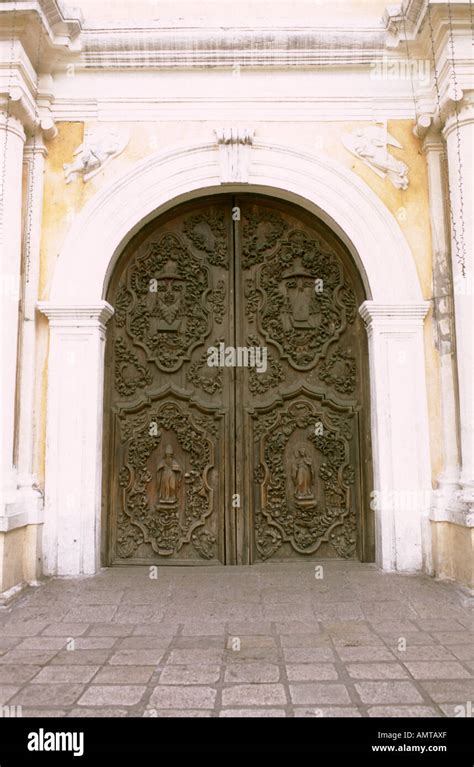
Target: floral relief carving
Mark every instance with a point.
(301, 504)
(166, 498)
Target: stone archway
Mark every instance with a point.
(78, 315)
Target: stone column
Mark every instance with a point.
(73, 482)
(443, 313)
(459, 135)
(12, 139)
(34, 159)
(400, 440)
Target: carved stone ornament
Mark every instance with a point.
(234, 153)
(97, 150)
(370, 144)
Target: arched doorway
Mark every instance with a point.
(236, 421)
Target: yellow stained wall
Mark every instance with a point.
(20, 556)
(453, 552)
(410, 208)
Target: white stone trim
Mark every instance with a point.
(71, 543)
(400, 439)
(316, 182)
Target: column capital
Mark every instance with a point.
(398, 316)
(81, 316)
(461, 116)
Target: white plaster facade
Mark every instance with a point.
(244, 98)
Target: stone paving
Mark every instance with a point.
(270, 640)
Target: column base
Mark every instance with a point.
(23, 507)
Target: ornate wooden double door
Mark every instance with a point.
(236, 423)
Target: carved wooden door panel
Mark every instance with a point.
(170, 416)
(209, 464)
(303, 428)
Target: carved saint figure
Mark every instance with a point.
(302, 474)
(169, 474)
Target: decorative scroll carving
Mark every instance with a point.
(301, 504)
(204, 542)
(161, 304)
(217, 299)
(252, 300)
(130, 375)
(259, 383)
(339, 370)
(261, 230)
(210, 384)
(308, 304)
(165, 494)
(207, 232)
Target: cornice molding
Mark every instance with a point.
(80, 316)
(61, 26)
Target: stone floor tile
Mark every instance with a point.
(182, 697)
(138, 614)
(402, 711)
(437, 670)
(46, 713)
(62, 674)
(136, 658)
(326, 711)
(420, 653)
(43, 643)
(65, 630)
(199, 628)
(94, 713)
(252, 672)
(310, 672)
(110, 630)
(256, 713)
(299, 640)
(26, 629)
(192, 674)
(455, 691)
(92, 614)
(319, 694)
(166, 630)
(7, 691)
(254, 695)
(17, 674)
(143, 643)
(388, 692)
(193, 713)
(241, 628)
(376, 671)
(461, 710)
(48, 695)
(29, 657)
(112, 695)
(124, 674)
(463, 651)
(308, 654)
(367, 653)
(81, 657)
(453, 637)
(205, 656)
(338, 611)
